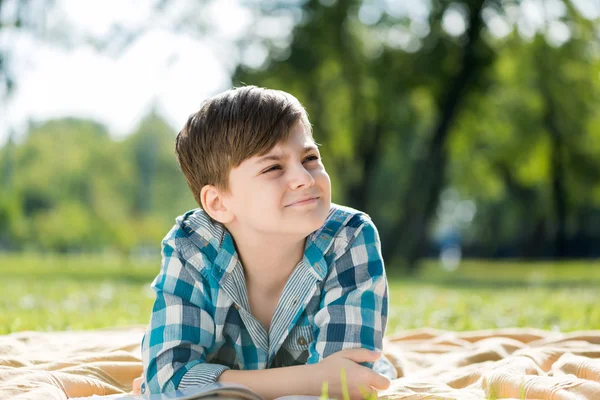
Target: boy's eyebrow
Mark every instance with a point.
(276, 157)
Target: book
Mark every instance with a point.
(213, 391)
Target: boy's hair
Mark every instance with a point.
(231, 127)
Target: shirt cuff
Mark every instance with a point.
(201, 374)
(385, 368)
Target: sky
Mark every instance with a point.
(162, 70)
(168, 71)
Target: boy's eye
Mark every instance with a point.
(273, 168)
(278, 167)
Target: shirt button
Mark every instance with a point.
(301, 341)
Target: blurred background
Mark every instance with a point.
(468, 130)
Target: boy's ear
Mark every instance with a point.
(212, 203)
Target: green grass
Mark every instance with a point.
(59, 292)
(56, 292)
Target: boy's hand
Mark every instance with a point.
(360, 380)
(137, 386)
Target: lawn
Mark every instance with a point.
(83, 292)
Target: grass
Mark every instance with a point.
(485, 295)
(47, 293)
(84, 292)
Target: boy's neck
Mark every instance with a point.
(267, 261)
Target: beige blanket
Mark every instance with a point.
(510, 363)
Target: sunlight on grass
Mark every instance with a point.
(414, 305)
(59, 293)
(67, 304)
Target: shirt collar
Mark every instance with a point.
(215, 241)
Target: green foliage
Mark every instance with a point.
(519, 137)
(521, 141)
(76, 189)
(11, 230)
(324, 391)
(344, 384)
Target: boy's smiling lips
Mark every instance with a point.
(304, 200)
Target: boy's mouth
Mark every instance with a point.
(304, 201)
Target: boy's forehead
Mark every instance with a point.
(298, 142)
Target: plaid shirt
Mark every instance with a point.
(201, 325)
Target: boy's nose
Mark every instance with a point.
(301, 178)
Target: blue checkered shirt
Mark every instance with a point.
(336, 298)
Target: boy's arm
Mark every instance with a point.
(276, 382)
(308, 379)
(180, 329)
(354, 304)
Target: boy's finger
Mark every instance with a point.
(379, 381)
(360, 355)
(137, 385)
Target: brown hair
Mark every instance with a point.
(231, 127)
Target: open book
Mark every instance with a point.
(213, 391)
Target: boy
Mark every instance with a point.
(267, 273)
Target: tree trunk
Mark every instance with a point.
(408, 237)
(367, 134)
(366, 155)
(557, 156)
(558, 184)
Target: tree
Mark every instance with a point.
(428, 174)
(356, 99)
(524, 153)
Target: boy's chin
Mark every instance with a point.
(308, 225)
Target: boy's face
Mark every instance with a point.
(285, 192)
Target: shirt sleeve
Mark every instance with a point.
(181, 328)
(354, 304)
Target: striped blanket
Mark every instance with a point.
(431, 364)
